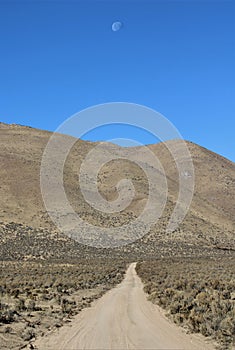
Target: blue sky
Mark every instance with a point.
(177, 57)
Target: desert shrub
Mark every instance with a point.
(7, 316)
(31, 306)
(28, 334)
(20, 305)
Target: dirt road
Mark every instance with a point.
(122, 319)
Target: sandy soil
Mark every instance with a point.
(122, 319)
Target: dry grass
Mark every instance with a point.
(198, 294)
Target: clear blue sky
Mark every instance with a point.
(174, 56)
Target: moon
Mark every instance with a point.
(116, 26)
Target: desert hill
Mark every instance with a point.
(210, 222)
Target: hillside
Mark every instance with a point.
(209, 224)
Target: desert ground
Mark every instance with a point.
(182, 293)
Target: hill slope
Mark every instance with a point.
(210, 222)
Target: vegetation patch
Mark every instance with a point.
(36, 297)
(198, 294)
